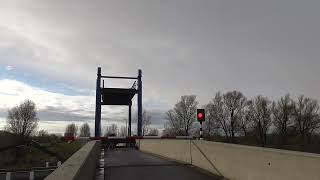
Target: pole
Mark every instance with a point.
(8, 176)
(129, 129)
(31, 175)
(139, 103)
(200, 130)
(97, 129)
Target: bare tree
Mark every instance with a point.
(227, 110)
(123, 131)
(43, 133)
(170, 131)
(210, 126)
(306, 116)
(153, 132)
(245, 119)
(234, 104)
(181, 118)
(261, 118)
(217, 111)
(45, 137)
(71, 130)
(85, 130)
(146, 122)
(22, 119)
(282, 113)
(174, 125)
(111, 130)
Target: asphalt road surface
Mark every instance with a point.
(123, 164)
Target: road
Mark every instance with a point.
(123, 164)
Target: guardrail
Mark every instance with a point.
(28, 173)
(80, 166)
(237, 162)
(29, 169)
(34, 174)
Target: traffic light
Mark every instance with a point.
(201, 115)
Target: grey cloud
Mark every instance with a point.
(3, 112)
(48, 115)
(183, 47)
(63, 114)
(157, 118)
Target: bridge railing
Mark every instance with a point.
(30, 174)
(81, 165)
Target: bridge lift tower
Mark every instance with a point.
(117, 96)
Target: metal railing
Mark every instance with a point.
(35, 173)
(31, 174)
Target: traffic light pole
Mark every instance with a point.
(201, 116)
(200, 130)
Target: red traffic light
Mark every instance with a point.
(200, 115)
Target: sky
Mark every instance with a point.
(50, 51)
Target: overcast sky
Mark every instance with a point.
(50, 51)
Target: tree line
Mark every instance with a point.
(72, 130)
(232, 115)
(22, 120)
(147, 130)
(113, 129)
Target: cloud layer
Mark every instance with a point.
(56, 110)
(183, 47)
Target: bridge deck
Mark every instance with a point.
(136, 165)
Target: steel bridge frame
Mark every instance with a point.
(100, 93)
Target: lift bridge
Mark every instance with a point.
(118, 96)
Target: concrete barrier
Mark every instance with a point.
(175, 149)
(237, 162)
(80, 166)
